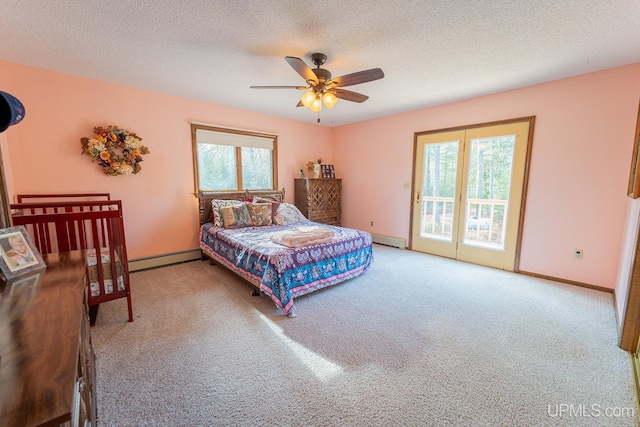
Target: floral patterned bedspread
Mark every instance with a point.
(286, 272)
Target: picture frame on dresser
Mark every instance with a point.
(327, 171)
(18, 254)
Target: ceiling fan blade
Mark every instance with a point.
(279, 87)
(303, 69)
(357, 78)
(348, 95)
(299, 104)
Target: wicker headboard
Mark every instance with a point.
(205, 198)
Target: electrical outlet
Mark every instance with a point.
(406, 185)
(372, 223)
(577, 253)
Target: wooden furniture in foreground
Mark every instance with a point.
(320, 199)
(95, 227)
(47, 372)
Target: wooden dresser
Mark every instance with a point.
(320, 199)
(47, 372)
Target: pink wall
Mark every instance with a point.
(582, 147)
(160, 209)
(576, 199)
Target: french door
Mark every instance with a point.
(468, 189)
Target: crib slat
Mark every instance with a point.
(81, 234)
(62, 233)
(96, 246)
(73, 235)
(45, 240)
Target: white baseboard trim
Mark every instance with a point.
(162, 260)
(396, 242)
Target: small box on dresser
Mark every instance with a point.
(320, 199)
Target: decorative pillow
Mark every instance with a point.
(274, 205)
(260, 213)
(288, 214)
(235, 216)
(216, 204)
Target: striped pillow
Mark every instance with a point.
(216, 215)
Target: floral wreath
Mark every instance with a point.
(103, 145)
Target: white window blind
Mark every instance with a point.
(204, 136)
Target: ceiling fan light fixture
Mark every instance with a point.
(316, 105)
(307, 98)
(329, 99)
(321, 88)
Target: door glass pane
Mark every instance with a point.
(489, 182)
(256, 168)
(217, 167)
(438, 190)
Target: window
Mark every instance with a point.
(228, 159)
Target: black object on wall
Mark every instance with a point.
(11, 111)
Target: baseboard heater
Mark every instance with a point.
(395, 242)
(162, 260)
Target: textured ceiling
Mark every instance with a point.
(431, 51)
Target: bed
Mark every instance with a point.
(281, 271)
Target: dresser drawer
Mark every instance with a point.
(326, 217)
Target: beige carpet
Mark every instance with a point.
(416, 341)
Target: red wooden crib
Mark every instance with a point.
(93, 226)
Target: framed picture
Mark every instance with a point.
(634, 175)
(18, 255)
(327, 171)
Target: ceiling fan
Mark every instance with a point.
(321, 88)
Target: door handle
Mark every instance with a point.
(418, 196)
